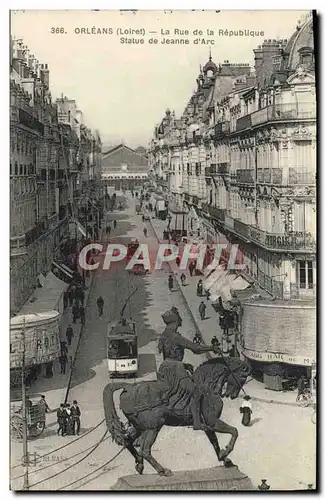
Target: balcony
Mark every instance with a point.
(17, 246)
(221, 130)
(36, 232)
(279, 242)
(298, 177)
(277, 112)
(30, 121)
(209, 171)
(216, 213)
(223, 168)
(244, 176)
(243, 123)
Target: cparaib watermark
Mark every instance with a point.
(166, 252)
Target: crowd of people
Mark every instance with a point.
(68, 418)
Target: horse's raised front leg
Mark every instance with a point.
(224, 428)
(214, 441)
(146, 441)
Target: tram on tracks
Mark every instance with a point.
(122, 346)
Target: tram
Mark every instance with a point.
(122, 348)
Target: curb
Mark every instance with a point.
(208, 355)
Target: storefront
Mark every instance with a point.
(37, 334)
(279, 339)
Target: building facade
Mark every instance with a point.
(124, 168)
(243, 157)
(45, 173)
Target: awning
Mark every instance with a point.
(46, 298)
(41, 279)
(62, 268)
(221, 282)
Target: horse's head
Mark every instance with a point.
(236, 380)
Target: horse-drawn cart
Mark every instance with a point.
(35, 415)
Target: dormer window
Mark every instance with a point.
(306, 57)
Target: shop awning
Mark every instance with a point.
(76, 227)
(222, 282)
(62, 268)
(41, 279)
(45, 298)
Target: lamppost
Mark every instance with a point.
(24, 413)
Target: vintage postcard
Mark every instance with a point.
(163, 250)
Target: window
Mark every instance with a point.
(305, 270)
(16, 168)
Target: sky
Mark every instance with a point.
(124, 89)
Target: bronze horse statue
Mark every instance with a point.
(148, 406)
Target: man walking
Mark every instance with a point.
(82, 314)
(183, 279)
(170, 282)
(145, 232)
(71, 296)
(61, 419)
(65, 299)
(75, 313)
(100, 305)
(114, 224)
(75, 414)
(202, 310)
(69, 334)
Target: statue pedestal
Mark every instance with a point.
(214, 479)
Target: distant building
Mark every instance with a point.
(124, 168)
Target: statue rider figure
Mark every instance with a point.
(172, 345)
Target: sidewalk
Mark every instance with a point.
(55, 388)
(210, 326)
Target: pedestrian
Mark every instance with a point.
(114, 224)
(183, 279)
(143, 218)
(49, 369)
(302, 384)
(170, 282)
(61, 419)
(75, 313)
(191, 268)
(69, 334)
(208, 294)
(246, 410)
(68, 423)
(63, 360)
(202, 310)
(82, 314)
(75, 414)
(178, 260)
(42, 403)
(215, 341)
(100, 305)
(145, 232)
(82, 296)
(200, 288)
(65, 299)
(197, 339)
(108, 231)
(70, 296)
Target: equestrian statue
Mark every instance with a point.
(179, 397)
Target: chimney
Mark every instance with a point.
(265, 58)
(46, 76)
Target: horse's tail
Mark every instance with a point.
(113, 422)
